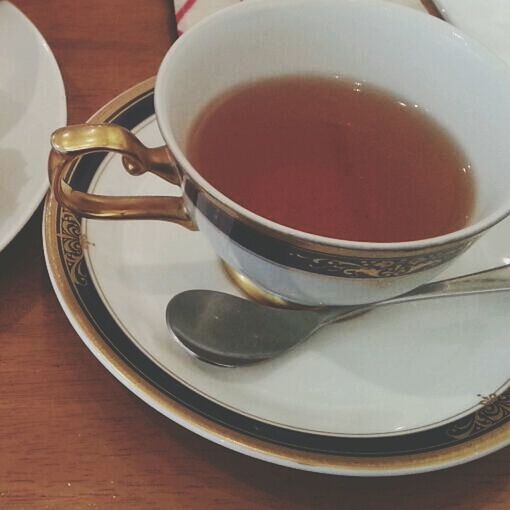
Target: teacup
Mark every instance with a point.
(414, 55)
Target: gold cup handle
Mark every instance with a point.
(72, 142)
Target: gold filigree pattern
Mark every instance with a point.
(494, 409)
(354, 267)
(73, 243)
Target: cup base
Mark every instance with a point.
(253, 291)
(256, 292)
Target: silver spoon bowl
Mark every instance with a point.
(229, 331)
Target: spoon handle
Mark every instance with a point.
(496, 279)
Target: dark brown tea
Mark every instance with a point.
(334, 158)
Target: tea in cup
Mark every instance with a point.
(335, 155)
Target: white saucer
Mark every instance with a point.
(405, 389)
(32, 106)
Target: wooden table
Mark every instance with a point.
(71, 436)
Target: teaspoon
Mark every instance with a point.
(226, 330)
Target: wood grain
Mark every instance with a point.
(72, 437)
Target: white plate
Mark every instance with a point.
(406, 389)
(486, 20)
(32, 106)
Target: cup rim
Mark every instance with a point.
(435, 23)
